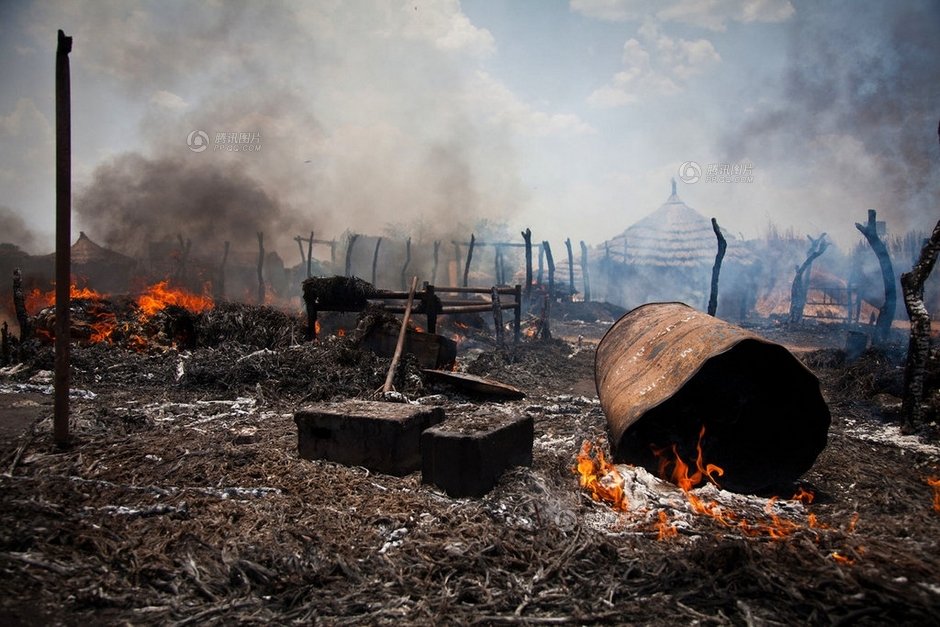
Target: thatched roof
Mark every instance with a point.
(674, 236)
(85, 251)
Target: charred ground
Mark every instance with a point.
(182, 499)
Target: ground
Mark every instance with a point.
(182, 499)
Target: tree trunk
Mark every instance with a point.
(550, 260)
(800, 288)
(886, 313)
(918, 352)
(716, 269)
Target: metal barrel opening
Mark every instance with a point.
(665, 370)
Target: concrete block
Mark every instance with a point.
(466, 456)
(384, 437)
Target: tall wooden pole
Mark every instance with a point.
(527, 238)
(570, 269)
(585, 272)
(63, 236)
(375, 259)
(886, 313)
(716, 268)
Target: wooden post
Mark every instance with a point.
(538, 279)
(430, 307)
(517, 322)
(310, 256)
(716, 268)
(349, 249)
(585, 272)
(497, 273)
(333, 255)
(457, 259)
(437, 248)
(396, 357)
(918, 351)
(886, 313)
(375, 259)
(800, 287)
(466, 269)
(300, 245)
(527, 237)
(63, 238)
(550, 260)
(570, 268)
(497, 316)
(260, 267)
(404, 268)
(220, 292)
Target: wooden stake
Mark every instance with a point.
(886, 313)
(570, 269)
(716, 269)
(404, 268)
(396, 357)
(466, 269)
(63, 237)
(527, 238)
(585, 272)
(310, 256)
(375, 259)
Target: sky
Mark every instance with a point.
(432, 118)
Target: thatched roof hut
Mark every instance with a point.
(673, 236)
(668, 255)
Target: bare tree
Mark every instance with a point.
(800, 287)
(886, 313)
(716, 268)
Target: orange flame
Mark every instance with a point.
(316, 327)
(161, 295)
(37, 299)
(841, 559)
(664, 528)
(934, 482)
(341, 332)
(600, 477)
(804, 496)
(777, 528)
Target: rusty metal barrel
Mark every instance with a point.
(664, 371)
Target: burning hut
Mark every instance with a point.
(668, 256)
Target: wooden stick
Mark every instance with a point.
(63, 238)
(401, 338)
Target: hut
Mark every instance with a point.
(668, 256)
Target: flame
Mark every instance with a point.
(934, 482)
(600, 477)
(37, 300)
(664, 528)
(461, 325)
(803, 496)
(341, 332)
(777, 528)
(316, 327)
(160, 295)
(841, 559)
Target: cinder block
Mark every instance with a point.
(384, 437)
(466, 455)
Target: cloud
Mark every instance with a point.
(445, 25)
(503, 108)
(676, 61)
(710, 14)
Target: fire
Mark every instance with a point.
(934, 482)
(160, 295)
(664, 528)
(341, 332)
(37, 299)
(316, 327)
(418, 328)
(777, 528)
(803, 496)
(600, 477)
(841, 559)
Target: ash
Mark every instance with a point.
(182, 499)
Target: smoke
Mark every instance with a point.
(859, 103)
(368, 114)
(133, 200)
(14, 230)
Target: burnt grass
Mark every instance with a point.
(181, 499)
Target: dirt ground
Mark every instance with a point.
(182, 500)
